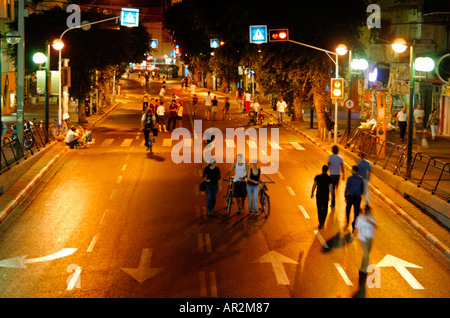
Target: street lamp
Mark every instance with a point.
(58, 45)
(40, 58)
(12, 37)
(425, 65)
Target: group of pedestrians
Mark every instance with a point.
(419, 126)
(246, 182)
(357, 185)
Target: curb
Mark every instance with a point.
(29, 187)
(397, 209)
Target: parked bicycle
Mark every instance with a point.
(59, 130)
(28, 140)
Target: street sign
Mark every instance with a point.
(154, 43)
(214, 43)
(258, 34)
(129, 17)
(349, 103)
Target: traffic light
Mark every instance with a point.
(277, 35)
(337, 88)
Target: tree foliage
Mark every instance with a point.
(298, 73)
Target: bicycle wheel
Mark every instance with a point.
(229, 202)
(265, 204)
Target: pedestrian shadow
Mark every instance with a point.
(155, 157)
(340, 239)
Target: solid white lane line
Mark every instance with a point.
(91, 246)
(302, 209)
(343, 274)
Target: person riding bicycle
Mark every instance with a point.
(226, 109)
(240, 176)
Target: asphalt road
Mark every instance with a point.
(116, 221)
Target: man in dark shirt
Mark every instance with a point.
(211, 174)
(323, 183)
(353, 191)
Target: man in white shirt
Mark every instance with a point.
(418, 112)
(402, 118)
(281, 107)
(71, 138)
(162, 92)
(208, 104)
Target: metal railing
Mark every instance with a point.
(13, 151)
(427, 172)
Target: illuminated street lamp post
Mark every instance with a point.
(40, 58)
(356, 64)
(340, 50)
(423, 64)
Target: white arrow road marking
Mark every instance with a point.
(277, 261)
(21, 261)
(143, 272)
(400, 265)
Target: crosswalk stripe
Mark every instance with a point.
(107, 142)
(167, 142)
(126, 143)
(274, 145)
(230, 143)
(252, 144)
(296, 145)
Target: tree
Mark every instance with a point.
(96, 49)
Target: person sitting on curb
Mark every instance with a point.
(71, 138)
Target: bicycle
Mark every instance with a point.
(226, 112)
(264, 198)
(230, 194)
(59, 130)
(194, 109)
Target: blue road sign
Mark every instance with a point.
(129, 17)
(258, 34)
(154, 43)
(214, 43)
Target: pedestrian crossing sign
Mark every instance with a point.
(154, 43)
(258, 34)
(129, 17)
(214, 43)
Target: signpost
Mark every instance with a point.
(129, 17)
(349, 104)
(258, 34)
(214, 43)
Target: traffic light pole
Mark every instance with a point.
(336, 62)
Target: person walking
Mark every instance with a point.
(402, 118)
(240, 99)
(433, 123)
(247, 101)
(172, 115)
(144, 103)
(281, 108)
(162, 93)
(147, 125)
(160, 111)
(208, 104)
(353, 191)
(323, 183)
(365, 168)
(365, 232)
(418, 113)
(211, 175)
(240, 191)
(215, 103)
(180, 114)
(335, 166)
(226, 109)
(253, 177)
(420, 134)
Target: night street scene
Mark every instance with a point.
(225, 157)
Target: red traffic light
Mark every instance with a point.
(277, 35)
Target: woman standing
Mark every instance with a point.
(433, 123)
(240, 175)
(211, 175)
(253, 176)
(180, 114)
